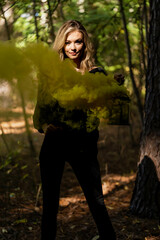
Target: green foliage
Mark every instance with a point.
(10, 161)
(102, 20)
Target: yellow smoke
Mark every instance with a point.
(60, 81)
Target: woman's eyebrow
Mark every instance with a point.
(79, 39)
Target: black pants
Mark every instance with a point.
(80, 150)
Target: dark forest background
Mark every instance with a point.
(119, 30)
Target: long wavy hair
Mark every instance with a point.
(87, 59)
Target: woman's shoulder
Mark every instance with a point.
(97, 69)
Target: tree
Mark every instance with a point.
(145, 200)
(6, 20)
(130, 64)
(19, 78)
(35, 19)
(51, 10)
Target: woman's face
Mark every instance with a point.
(74, 45)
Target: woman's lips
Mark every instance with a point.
(73, 53)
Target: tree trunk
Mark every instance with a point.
(50, 21)
(146, 19)
(29, 136)
(61, 12)
(146, 195)
(139, 103)
(143, 53)
(4, 139)
(35, 19)
(142, 50)
(6, 22)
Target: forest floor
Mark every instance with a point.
(21, 196)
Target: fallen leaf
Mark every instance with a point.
(4, 230)
(109, 207)
(24, 220)
(96, 237)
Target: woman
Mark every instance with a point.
(75, 142)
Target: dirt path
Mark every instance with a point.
(20, 220)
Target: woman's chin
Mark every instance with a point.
(73, 57)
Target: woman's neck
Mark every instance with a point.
(77, 63)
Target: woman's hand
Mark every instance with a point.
(44, 127)
(119, 78)
(50, 128)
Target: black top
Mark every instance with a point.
(53, 113)
(98, 69)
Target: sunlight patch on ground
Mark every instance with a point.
(111, 181)
(64, 202)
(15, 127)
(12, 125)
(109, 184)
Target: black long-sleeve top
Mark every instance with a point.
(53, 113)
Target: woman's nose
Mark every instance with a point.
(73, 46)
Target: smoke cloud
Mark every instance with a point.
(38, 63)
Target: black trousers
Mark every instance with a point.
(80, 150)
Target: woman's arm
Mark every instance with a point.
(118, 77)
(46, 110)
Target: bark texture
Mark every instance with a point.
(152, 101)
(146, 195)
(51, 26)
(145, 200)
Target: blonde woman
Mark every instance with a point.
(65, 142)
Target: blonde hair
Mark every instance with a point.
(87, 59)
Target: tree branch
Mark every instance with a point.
(56, 5)
(140, 107)
(10, 7)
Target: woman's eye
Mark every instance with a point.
(66, 43)
(79, 41)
